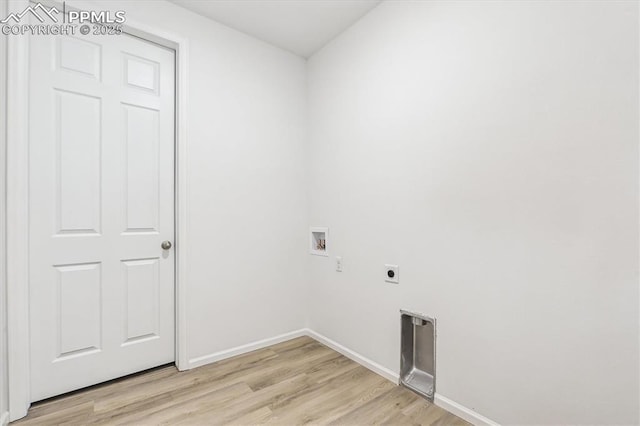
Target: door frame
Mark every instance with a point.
(17, 198)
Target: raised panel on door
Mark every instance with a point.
(141, 157)
(142, 296)
(141, 74)
(79, 56)
(78, 119)
(79, 313)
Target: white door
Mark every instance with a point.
(101, 170)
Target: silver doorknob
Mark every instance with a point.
(166, 245)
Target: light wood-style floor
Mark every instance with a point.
(295, 382)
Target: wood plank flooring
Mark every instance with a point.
(296, 382)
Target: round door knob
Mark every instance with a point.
(166, 245)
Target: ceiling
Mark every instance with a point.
(300, 26)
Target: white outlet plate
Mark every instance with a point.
(339, 263)
(393, 270)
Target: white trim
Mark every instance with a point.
(362, 360)
(249, 347)
(17, 202)
(463, 412)
(4, 378)
(18, 219)
(181, 193)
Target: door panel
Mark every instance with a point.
(101, 202)
(78, 302)
(79, 56)
(142, 284)
(78, 147)
(141, 159)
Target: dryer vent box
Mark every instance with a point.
(418, 353)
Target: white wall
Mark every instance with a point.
(4, 402)
(247, 210)
(491, 150)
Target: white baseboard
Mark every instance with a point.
(441, 401)
(4, 418)
(239, 350)
(462, 411)
(365, 362)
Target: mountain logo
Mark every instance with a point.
(38, 11)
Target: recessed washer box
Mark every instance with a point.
(319, 240)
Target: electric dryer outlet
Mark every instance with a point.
(392, 274)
